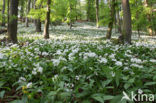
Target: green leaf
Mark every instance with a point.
(131, 80)
(98, 98)
(107, 97)
(1, 84)
(65, 95)
(52, 93)
(2, 94)
(127, 85)
(16, 101)
(150, 83)
(85, 101)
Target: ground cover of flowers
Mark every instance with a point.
(74, 71)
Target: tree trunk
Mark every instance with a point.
(149, 28)
(8, 10)
(118, 22)
(112, 16)
(138, 29)
(37, 21)
(3, 14)
(127, 30)
(47, 21)
(12, 30)
(97, 13)
(38, 25)
(88, 10)
(28, 9)
(21, 10)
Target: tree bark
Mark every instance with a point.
(12, 30)
(97, 13)
(112, 16)
(8, 10)
(21, 9)
(127, 28)
(37, 21)
(38, 25)
(28, 9)
(3, 14)
(149, 28)
(118, 22)
(47, 21)
(88, 10)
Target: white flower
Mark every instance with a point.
(1, 56)
(77, 77)
(75, 50)
(90, 54)
(103, 60)
(45, 53)
(113, 74)
(135, 60)
(34, 72)
(153, 60)
(112, 56)
(114, 60)
(21, 79)
(58, 52)
(55, 77)
(126, 68)
(40, 69)
(136, 65)
(36, 49)
(56, 62)
(29, 85)
(118, 63)
(71, 56)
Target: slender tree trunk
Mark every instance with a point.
(149, 28)
(80, 9)
(97, 13)
(12, 30)
(38, 25)
(8, 11)
(88, 10)
(28, 9)
(37, 21)
(138, 29)
(21, 10)
(110, 25)
(47, 21)
(3, 14)
(127, 28)
(118, 22)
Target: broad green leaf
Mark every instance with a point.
(2, 94)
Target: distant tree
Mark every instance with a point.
(22, 5)
(47, 21)
(127, 28)
(97, 13)
(28, 9)
(118, 16)
(37, 21)
(3, 13)
(71, 12)
(12, 28)
(149, 13)
(90, 10)
(111, 21)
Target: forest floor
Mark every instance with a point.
(86, 31)
(76, 65)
